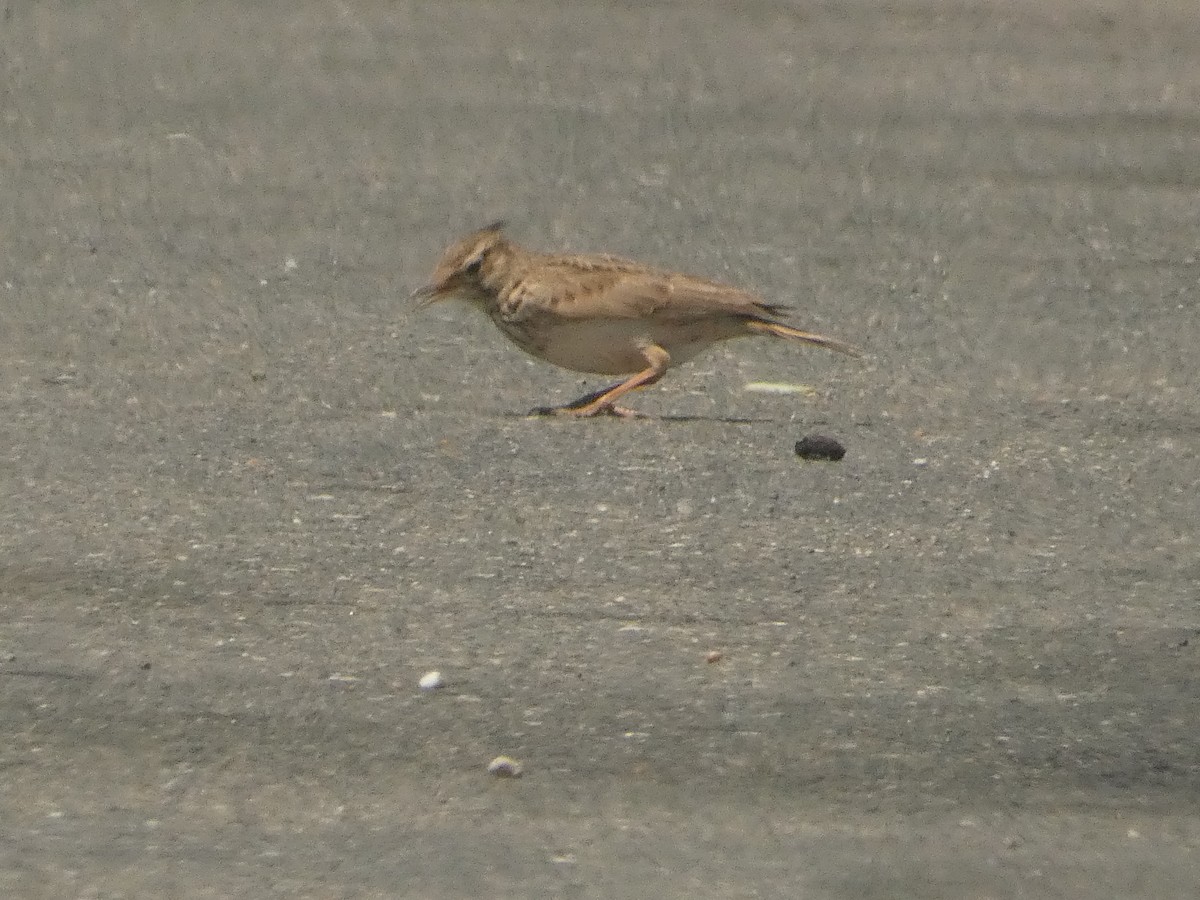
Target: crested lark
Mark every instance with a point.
(601, 314)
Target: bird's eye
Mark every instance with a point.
(473, 267)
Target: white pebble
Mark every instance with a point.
(431, 681)
(505, 767)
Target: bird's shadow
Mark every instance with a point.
(675, 419)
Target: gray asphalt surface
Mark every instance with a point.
(247, 498)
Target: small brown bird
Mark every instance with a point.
(601, 314)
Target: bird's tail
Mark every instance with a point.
(762, 326)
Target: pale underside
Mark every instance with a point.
(616, 346)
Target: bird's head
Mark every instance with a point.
(463, 268)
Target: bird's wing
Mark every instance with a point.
(615, 292)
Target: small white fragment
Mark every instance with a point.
(920, 462)
(290, 264)
(431, 681)
(505, 767)
(780, 387)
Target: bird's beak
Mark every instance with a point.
(427, 295)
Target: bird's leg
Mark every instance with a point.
(603, 402)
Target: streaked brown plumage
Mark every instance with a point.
(601, 314)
